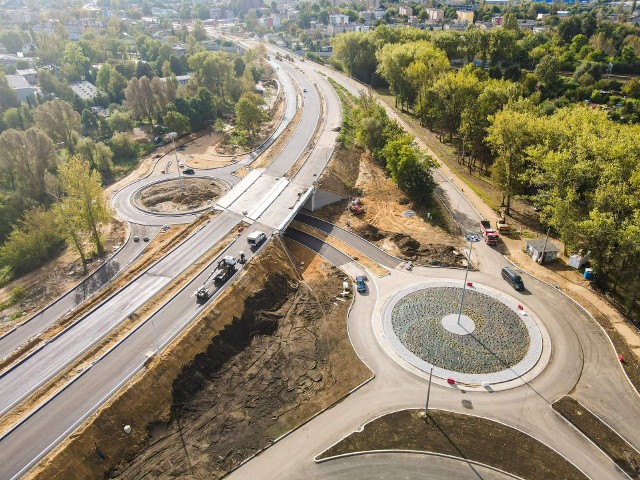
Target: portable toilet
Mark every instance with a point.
(588, 274)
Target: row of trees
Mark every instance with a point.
(583, 170)
(393, 148)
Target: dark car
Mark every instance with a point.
(361, 286)
(189, 171)
(512, 278)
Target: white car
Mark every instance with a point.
(180, 163)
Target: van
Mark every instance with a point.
(256, 238)
(512, 278)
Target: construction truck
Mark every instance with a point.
(224, 270)
(489, 234)
(355, 206)
(501, 225)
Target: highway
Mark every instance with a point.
(23, 446)
(579, 355)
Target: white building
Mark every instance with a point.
(435, 14)
(23, 90)
(339, 19)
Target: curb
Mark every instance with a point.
(316, 460)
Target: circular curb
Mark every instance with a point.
(530, 360)
(136, 194)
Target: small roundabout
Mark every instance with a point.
(492, 340)
(179, 195)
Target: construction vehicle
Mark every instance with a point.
(502, 225)
(225, 270)
(355, 206)
(489, 234)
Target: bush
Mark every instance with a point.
(123, 147)
(32, 243)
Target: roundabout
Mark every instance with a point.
(493, 340)
(180, 195)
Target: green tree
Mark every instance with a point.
(58, 119)
(120, 121)
(249, 113)
(8, 98)
(548, 72)
(176, 122)
(509, 136)
(123, 147)
(356, 53)
(74, 62)
(83, 193)
(31, 243)
(99, 155)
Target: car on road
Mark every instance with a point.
(180, 163)
(512, 278)
(189, 171)
(361, 286)
(256, 238)
(336, 129)
(304, 90)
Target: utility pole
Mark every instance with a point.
(426, 406)
(544, 247)
(471, 238)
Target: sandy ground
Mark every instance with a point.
(242, 375)
(430, 242)
(181, 195)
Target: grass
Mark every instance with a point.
(612, 444)
(458, 435)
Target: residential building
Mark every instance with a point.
(84, 90)
(379, 12)
(24, 91)
(339, 19)
(466, 17)
(405, 10)
(435, 14)
(30, 75)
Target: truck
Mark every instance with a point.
(489, 234)
(501, 225)
(224, 270)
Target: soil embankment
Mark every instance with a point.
(268, 354)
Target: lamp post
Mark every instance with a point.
(471, 238)
(173, 136)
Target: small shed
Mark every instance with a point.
(540, 252)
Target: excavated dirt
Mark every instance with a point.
(430, 243)
(245, 373)
(181, 195)
(408, 248)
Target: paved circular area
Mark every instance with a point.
(494, 342)
(179, 195)
(458, 324)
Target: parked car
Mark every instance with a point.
(189, 171)
(361, 286)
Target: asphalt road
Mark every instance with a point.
(581, 360)
(24, 445)
(39, 322)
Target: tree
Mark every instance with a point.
(410, 169)
(27, 162)
(120, 121)
(12, 40)
(8, 96)
(176, 122)
(123, 146)
(356, 53)
(74, 62)
(548, 72)
(509, 136)
(199, 32)
(84, 197)
(31, 243)
(58, 119)
(99, 155)
(213, 71)
(249, 112)
(141, 99)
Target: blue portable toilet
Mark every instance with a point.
(588, 274)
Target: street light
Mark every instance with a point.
(173, 136)
(471, 238)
